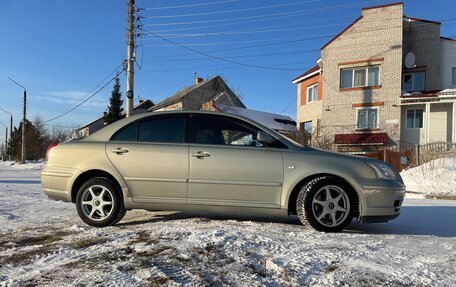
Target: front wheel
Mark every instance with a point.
(326, 203)
(99, 203)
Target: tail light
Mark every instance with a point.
(53, 144)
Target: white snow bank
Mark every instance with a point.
(29, 164)
(435, 178)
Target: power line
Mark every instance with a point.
(270, 18)
(191, 5)
(256, 55)
(299, 12)
(268, 29)
(231, 11)
(88, 98)
(183, 35)
(169, 87)
(218, 58)
(243, 22)
(302, 39)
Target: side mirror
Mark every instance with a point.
(264, 138)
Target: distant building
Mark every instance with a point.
(385, 78)
(99, 123)
(193, 97)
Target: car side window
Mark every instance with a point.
(127, 133)
(224, 132)
(165, 130)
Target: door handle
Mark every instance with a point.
(120, 150)
(200, 154)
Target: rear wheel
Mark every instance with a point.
(326, 203)
(99, 203)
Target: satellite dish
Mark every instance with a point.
(410, 60)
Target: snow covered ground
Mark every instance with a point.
(435, 178)
(43, 242)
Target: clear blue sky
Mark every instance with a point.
(60, 50)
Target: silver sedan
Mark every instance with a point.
(204, 161)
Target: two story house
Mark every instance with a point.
(384, 79)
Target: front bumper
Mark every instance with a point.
(382, 200)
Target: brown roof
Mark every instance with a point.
(216, 85)
(381, 6)
(310, 71)
(358, 139)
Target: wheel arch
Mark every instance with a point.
(93, 173)
(297, 188)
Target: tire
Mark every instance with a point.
(327, 204)
(99, 202)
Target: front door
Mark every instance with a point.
(229, 167)
(152, 156)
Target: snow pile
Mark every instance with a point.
(435, 178)
(29, 164)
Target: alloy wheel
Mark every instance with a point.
(330, 205)
(97, 202)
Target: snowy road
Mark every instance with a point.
(43, 242)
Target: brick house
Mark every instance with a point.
(203, 91)
(365, 95)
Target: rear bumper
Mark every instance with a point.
(56, 182)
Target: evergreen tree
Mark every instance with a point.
(33, 139)
(115, 104)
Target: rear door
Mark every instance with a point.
(152, 156)
(228, 167)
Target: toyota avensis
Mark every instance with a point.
(205, 161)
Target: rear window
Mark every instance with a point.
(165, 130)
(127, 133)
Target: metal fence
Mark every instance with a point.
(431, 151)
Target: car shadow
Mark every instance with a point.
(164, 216)
(414, 220)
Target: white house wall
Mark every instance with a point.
(448, 56)
(440, 122)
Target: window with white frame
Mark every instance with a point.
(367, 118)
(360, 77)
(453, 76)
(413, 81)
(415, 118)
(312, 93)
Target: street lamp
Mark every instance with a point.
(11, 127)
(6, 138)
(23, 119)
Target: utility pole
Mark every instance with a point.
(24, 113)
(24, 116)
(11, 129)
(6, 140)
(130, 56)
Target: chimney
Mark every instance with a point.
(198, 80)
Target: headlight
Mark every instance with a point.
(383, 170)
